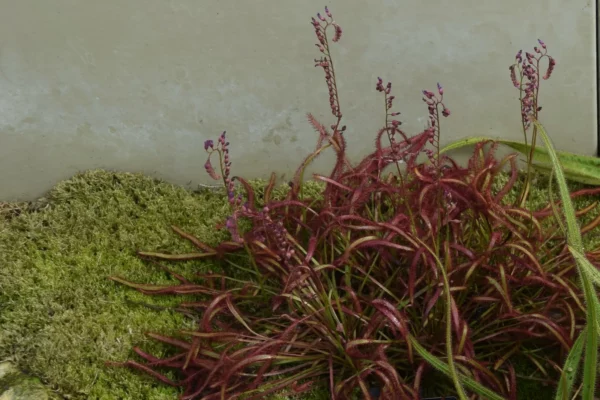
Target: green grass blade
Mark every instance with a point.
(571, 368)
(441, 366)
(577, 168)
(590, 364)
(590, 270)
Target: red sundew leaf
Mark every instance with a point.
(269, 188)
(512, 383)
(290, 203)
(547, 211)
(331, 385)
(201, 384)
(169, 340)
(526, 215)
(221, 336)
(175, 257)
(364, 388)
(371, 241)
(572, 320)
(592, 225)
(264, 247)
(463, 250)
(474, 265)
(297, 179)
(148, 357)
(485, 299)
(537, 364)
(531, 279)
(400, 232)
(249, 192)
(478, 367)
(421, 177)
(171, 362)
(520, 332)
(506, 356)
(385, 381)
(393, 378)
(354, 297)
(237, 315)
(195, 241)
(412, 274)
(353, 351)
(227, 247)
(369, 228)
(510, 183)
(495, 237)
(332, 182)
(140, 286)
(248, 361)
(455, 315)
(177, 276)
(505, 295)
(310, 251)
(214, 307)
(356, 195)
(321, 130)
(174, 289)
(551, 326)
(146, 369)
(431, 303)
(192, 392)
(392, 315)
(305, 387)
(419, 375)
(585, 210)
(193, 352)
(464, 334)
(534, 261)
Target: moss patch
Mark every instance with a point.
(60, 317)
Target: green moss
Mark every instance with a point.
(61, 318)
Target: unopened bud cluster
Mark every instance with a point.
(321, 23)
(279, 232)
(223, 150)
(525, 76)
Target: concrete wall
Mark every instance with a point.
(138, 85)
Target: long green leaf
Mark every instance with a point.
(443, 367)
(586, 265)
(571, 369)
(590, 364)
(577, 168)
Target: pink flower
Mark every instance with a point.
(210, 170)
(338, 32)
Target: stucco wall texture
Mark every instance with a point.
(138, 85)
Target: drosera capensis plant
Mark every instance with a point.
(422, 279)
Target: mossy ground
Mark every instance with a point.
(61, 318)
